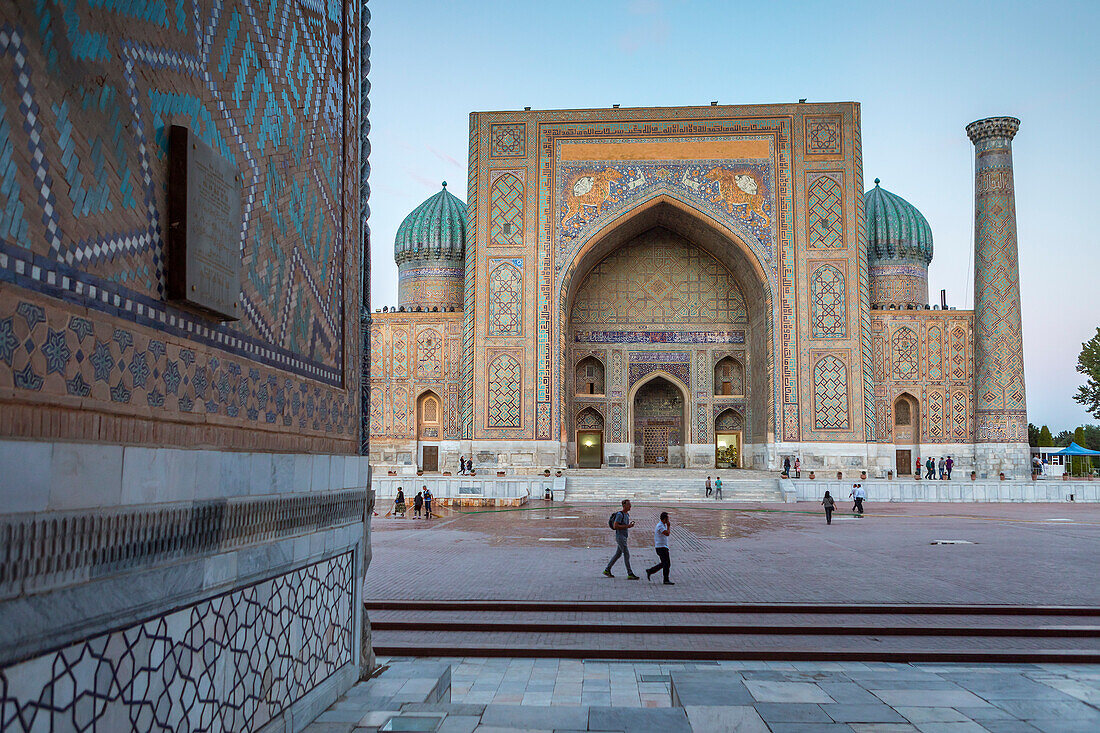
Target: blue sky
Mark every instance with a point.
(921, 70)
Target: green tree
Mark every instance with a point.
(1032, 435)
(1045, 438)
(1063, 438)
(1079, 462)
(1088, 363)
(1092, 435)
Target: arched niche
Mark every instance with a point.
(729, 377)
(906, 419)
(659, 423)
(590, 376)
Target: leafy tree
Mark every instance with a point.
(1045, 438)
(1063, 438)
(1092, 437)
(1079, 462)
(1088, 363)
(1032, 435)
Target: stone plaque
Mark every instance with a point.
(204, 227)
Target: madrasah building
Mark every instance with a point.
(699, 287)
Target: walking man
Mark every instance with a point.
(931, 466)
(660, 544)
(620, 522)
(462, 465)
(949, 465)
(427, 503)
(418, 503)
(708, 487)
(717, 488)
(857, 496)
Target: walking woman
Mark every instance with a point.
(399, 503)
(829, 505)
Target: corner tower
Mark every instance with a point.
(1000, 434)
(430, 251)
(899, 248)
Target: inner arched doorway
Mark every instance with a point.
(906, 433)
(665, 287)
(658, 423)
(728, 438)
(429, 421)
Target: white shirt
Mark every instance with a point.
(660, 539)
(860, 493)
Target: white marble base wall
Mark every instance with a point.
(153, 563)
(958, 490)
(509, 488)
(1014, 459)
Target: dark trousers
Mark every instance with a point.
(665, 564)
(859, 505)
(930, 472)
(828, 515)
(709, 490)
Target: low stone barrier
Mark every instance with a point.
(469, 490)
(958, 490)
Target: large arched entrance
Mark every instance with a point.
(429, 422)
(666, 288)
(658, 423)
(906, 433)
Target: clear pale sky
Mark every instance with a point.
(922, 71)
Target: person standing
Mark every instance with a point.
(427, 503)
(829, 505)
(418, 502)
(920, 468)
(797, 468)
(942, 467)
(709, 489)
(620, 522)
(949, 465)
(786, 466)
(399, 503)
(462, 465)
(717, 488)
(660, 545)
(931, 466)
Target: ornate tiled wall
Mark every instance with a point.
(777, 182)
(86, 97)
(928, 355)
(412, 353)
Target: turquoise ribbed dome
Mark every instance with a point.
(895, 229)
(434, 230)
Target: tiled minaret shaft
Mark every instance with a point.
(1000, 407)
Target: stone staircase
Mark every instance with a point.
(610, 485)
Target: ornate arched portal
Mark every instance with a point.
(906, 433)
(659, 423)
(429, 426)
(667, 287)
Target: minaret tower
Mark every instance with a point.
(1000, 430)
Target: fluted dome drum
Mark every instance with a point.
(430, 251)
(899, 248)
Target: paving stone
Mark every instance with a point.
(776, 712)
(929, 698)
(883, 728)
(767, 691)
(498, 729)
(1051, 710)
(709, 688)
(810, 728)
(1009, 726)
(1056, 725)
(375, 718)
(934, 715)
(739, 718)
(862, 713)
(535, 716)
(459, 724)
(968, 726)
(639, 720)
(848, 693)
(328, 728)
(1006, 687)
(450, 708)
(986, 713)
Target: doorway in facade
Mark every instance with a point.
(589, 439)
(429, 418)
(659, 425)
(728, 429)
(906, 432)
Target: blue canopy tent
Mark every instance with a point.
(1075, 450)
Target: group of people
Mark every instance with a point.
(620, 522)
(857, 495)
(787, 466)
(716, 488)
(465, 465)
(422, 501)
(937, 470)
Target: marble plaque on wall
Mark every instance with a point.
(204, 227)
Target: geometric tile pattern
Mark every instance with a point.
(505, 398)
(825, 214)
(823, 135)
(906, 355)
(429, 354)
(46, 349)
(231, 663)
(505, 296)
(958, 354)
(506, 211)
(960, 409)
(589, 419)
(934, 428)
(999, 386)
(508, 140)
(828, 312)
(659, 281)
(830, 385)
(934, 358)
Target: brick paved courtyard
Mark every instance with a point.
(1022, 554)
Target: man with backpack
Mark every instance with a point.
(620, 522)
